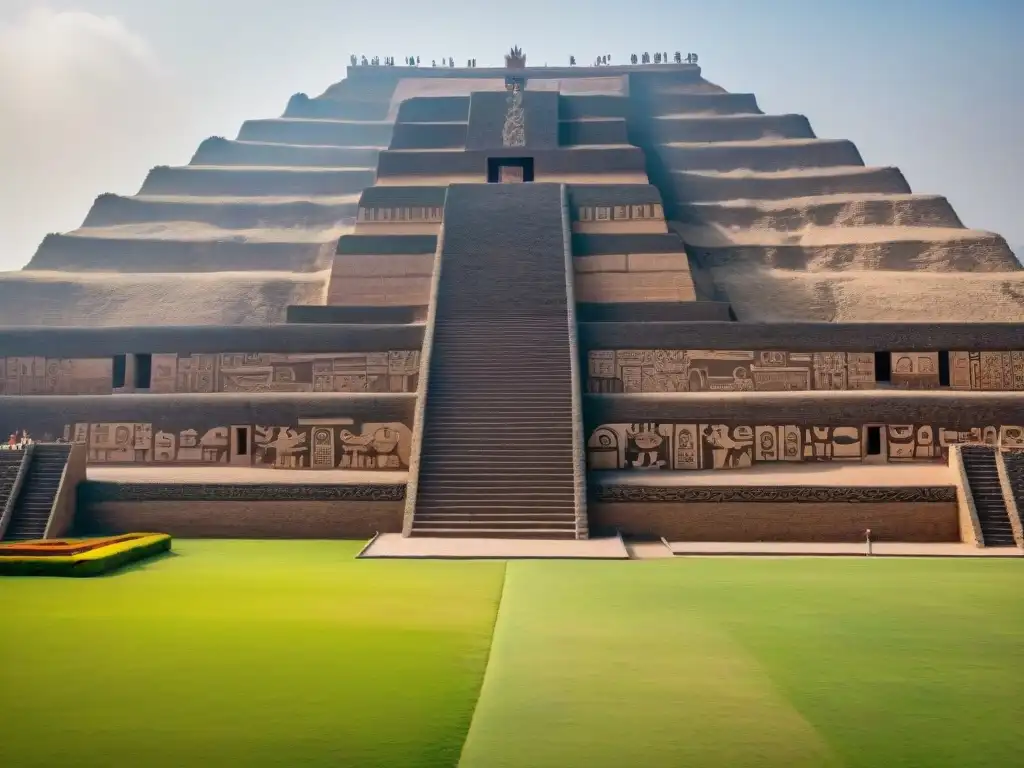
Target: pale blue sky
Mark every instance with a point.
(95, 92)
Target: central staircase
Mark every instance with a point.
(499, 448)
(38, 491)
(983, 479)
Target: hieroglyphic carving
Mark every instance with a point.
(411, 214)
(648, 212)
(702, 370)
(333, 444)
(915, 370)
(55, 376)
(725, 446)
(163, 373)
(395, 371)
(960, 370)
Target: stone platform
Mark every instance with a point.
(393, 545)
(240, 502)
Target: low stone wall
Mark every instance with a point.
(778, 514)
(241, 511)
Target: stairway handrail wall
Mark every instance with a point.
(64, 507)
(19, 481)
(579, 465)
(420, 409)
(970, 526)
(1012, 510)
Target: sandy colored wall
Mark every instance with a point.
(62, 518)
(663, 446)
(766, 521)
(244, 519)
(371, 289)
(633, 277)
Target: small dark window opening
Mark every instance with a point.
(874, 441)
(943, 369)
(883, 366)
(242, 441)
(497, 167)
(120, 368)
(143, 371)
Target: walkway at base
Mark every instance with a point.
(394, 545)
(878, 549)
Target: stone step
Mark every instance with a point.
(429, 492)
(526, 522)
(484, 470)
(486, 506)
(492, 533)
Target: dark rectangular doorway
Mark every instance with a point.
(509, 170)
(874, 447)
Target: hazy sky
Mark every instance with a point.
(95, 92)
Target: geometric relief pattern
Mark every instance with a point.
(766, 494)
(654, 446)
(704, 370)
(241, 372)
(95, 492)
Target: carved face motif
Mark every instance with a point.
(647, 441)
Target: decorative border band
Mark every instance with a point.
(94, 492)
(791, 494)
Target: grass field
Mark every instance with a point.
(292, 653)
(246, 654)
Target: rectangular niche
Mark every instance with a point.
(509, 170)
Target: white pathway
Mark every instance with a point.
(878, 549)
(393, 545)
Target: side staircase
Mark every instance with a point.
(38, 491)
(498, 444)
(10, 466)
(983, 479)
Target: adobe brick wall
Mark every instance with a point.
(769, 521)
(244, 519)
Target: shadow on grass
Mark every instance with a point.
(138, 565)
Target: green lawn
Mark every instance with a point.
(755, 662)
(246, 654)
(294, 654)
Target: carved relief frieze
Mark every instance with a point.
(340, 443)
(704, 370)
(670, 446)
